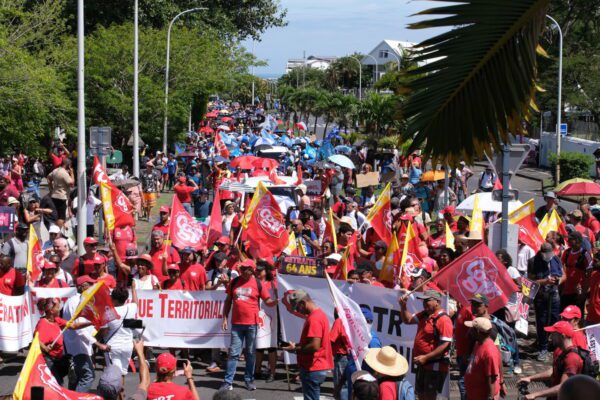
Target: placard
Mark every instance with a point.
(300, 265)
(369, 179)
(313, 187)
(8, 218)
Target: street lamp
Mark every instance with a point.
(559, 109)
(359, 77)
(395, 55)
(167, 72)
(81, 154)
(376, 66)
(252, 72)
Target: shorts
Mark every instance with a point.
(150, 199)
(61, 208)
(429, 381)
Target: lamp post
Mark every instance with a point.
(359, 77)
(81, 154)
(559, 108)
(376, 66)
(166, 120)
(252, 73)
(395, 55)
(136, 132)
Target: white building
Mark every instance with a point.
(318, 62)
(385, 52)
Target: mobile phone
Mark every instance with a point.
(132, 323)
(281, 343)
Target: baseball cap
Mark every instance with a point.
(12, 200)
(90, 240)
(480, 298)
(577, 214)
(404, 176)
(571, 312)
(203, 191)
(187, 250)
(84, 279)
(334, 256)
(99, 259)
(223, 240)
(54, 229)
(164, 209)
(295, 296)
(429, 294)
(481, 324)
(449, 210)
(22, 226)
(562, 327)
(173, 267)
(165, 362)
(420, 273)
(248, 263)
(110, 383)
(550, 195)
(131, 251)
(48, 265)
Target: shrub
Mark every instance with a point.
(572, 165)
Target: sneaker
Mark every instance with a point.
(225, 386)
(250, 386)
(270, 378)
(543, 356)
(518, 370)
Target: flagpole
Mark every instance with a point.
(587, 327)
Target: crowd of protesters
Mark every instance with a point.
(566, 266)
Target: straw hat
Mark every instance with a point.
(387, 361)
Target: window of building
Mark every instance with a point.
(383, 54)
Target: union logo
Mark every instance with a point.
(269, 219)
(478, 276)
(191, 233)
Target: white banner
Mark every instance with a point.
(44, 293)
(593, 339)
(383, 303)
(16, 330)
(266, 335)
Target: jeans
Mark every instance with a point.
(340, 362)
(239, 334)
(58, 366)
(463, 363)
(547, 310)
(311, 383)
(84, 373)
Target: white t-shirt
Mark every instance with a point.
(146, 284)
(523, 256)
(214, 277)
(118, 336)
(77, 341)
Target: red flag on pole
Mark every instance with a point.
(274, 178)
(380, 215)
(185, 231)
(97, 307)
(529, 232)
(477, 271)
(99, 173)
(265, 228)
(35, 257)
(299, 178)
(118, 210)
(215, 227)
(220, 146)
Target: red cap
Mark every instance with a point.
(84, 279)
(48, 265)
(449, 210)
(164, 209)
(165, 362)
(99, 259)
(90, 240)
(562, 327)
(406, 217)
(571, 312)
(223, 240)
(173, 267)
(182, 179)
(248, 263)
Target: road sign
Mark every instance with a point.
(518, 154)
(563, 129)
(100, 137)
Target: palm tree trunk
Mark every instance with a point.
(326, 125)
(315, 125)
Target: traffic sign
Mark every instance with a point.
(518, 154)
(563, 129)
(100, 137)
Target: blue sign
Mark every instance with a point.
(563, 129)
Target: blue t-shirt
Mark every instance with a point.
(171, 166)
(415, 175)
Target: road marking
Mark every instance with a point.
(321, 398)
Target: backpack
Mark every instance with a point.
(436, 334)
(589, 367)
(406, 391)
(581, 262)
(506, 337)
(258, 285)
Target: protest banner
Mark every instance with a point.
(313, 187)
(369, 179)
(266, 335)
(38, 293)
(300, 265)
(593, 338)
(181, 319)
(16, 330)
(520, 303)
(387, 323)
(8, 218)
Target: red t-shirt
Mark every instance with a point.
(56, 160)
(486, 362)
(184, 193)
(587, 233)
(572, 365)
(425, 341)
(121, 238)
(436, 242)
(161, 227)
(168, 391)
(172, 258)
(461, 338)
(245, 301)
(54, 283)
(388, 390)
(580, 340)
(48, 331)
(178, 284)
(339, 340)
(593, 224)
(574, 275)
(108, 279)
(593, 307)
(88, 266)
(10, 281)
(194, 277)
(316, 326)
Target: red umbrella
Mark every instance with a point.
(207, 129)
(580, 189)
(243, 162)
(212, 114)
(226, 119)
(260, 172)
(265, 163)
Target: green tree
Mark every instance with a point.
(344, 73)
(300, 77)
(377, 113)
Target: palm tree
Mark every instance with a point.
(478, 78)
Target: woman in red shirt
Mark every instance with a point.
(184, 192)
(389, 368)
(49, 329)
(48, 278)
(174, 281)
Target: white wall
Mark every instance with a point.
(571, 144)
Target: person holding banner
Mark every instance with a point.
(593, 295)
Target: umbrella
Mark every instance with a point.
(223, 128)
(212, 114)
(342, 161)
(568, 181)
(224, 111)
(264, 141)
(187, 154)
(301, 126)
(243, 162)
(343, 149)
(431, 176)
(226, 119)
(220, 159)
(580, 189)
(487, 203)
(265, 163)
(260, 172)
(207, 129)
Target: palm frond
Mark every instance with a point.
(478, 79)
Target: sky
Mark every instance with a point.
(336, 28)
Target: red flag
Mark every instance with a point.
(497, 184)
(99, 173)
(274, 178)
(98, 307)
(410, 255)
(35, 257)
(266, 228)
(347, 262)
(477, 271)
(299, 178)
(380, 215)
(118, 210)
(215, 228)
(185, 231)
(35, 372)
(220, 146)
(529, 232)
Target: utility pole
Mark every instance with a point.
(304, 69)
(81, 153)
(559, 107)
(136, 131)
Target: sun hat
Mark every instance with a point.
(387, 361)
(481, 324)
